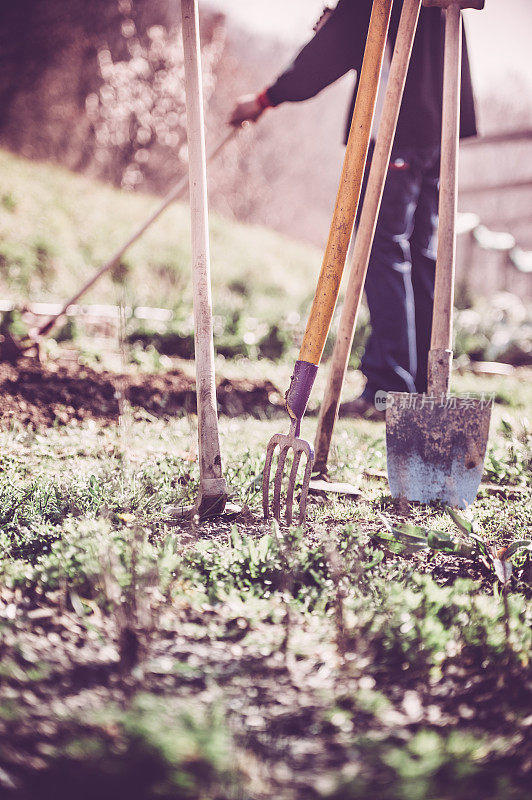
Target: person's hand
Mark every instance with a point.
(247, 109)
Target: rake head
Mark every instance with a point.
(300, 447)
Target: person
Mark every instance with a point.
(400, 280)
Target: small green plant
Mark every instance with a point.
(154, 750)
(429, 764)
(405, 539)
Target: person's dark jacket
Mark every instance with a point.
(338, 47)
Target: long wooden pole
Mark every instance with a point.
(344, 213)
(366, 230)
(213, 490)
(349, 188)
(441, 354)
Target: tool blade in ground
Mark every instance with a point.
(181, 513)
(436, 447)
(319, 486)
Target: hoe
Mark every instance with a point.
(213, 489)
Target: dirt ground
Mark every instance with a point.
(294, 712)
(41, 395)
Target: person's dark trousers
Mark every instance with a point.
(400, 280)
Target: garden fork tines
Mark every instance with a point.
(286, 442)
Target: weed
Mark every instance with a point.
(421, 628)
(509, 461)
(29, 512)
(429, 764)
(95, 561)
(260, 566)
(154, 749)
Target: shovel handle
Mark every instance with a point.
(366, 229)
(440, 356)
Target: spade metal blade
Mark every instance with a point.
(436, 446)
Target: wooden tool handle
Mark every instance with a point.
(349, 190)
(478, 4)
(366, 228)
(440, 355)
(211, 481)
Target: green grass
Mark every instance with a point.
(56, 228)
(231, 622)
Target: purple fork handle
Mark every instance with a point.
(301, 384)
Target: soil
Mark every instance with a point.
(57, 661)
(42, 395)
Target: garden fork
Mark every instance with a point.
(367, 224)
(330, 275)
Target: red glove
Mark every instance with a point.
(249, 108)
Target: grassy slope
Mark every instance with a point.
(56, 228)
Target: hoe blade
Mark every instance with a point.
(436, 447)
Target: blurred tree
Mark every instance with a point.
(99, 86)
(138, 113)
(34, 36)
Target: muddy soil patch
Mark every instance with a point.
(41, 395)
